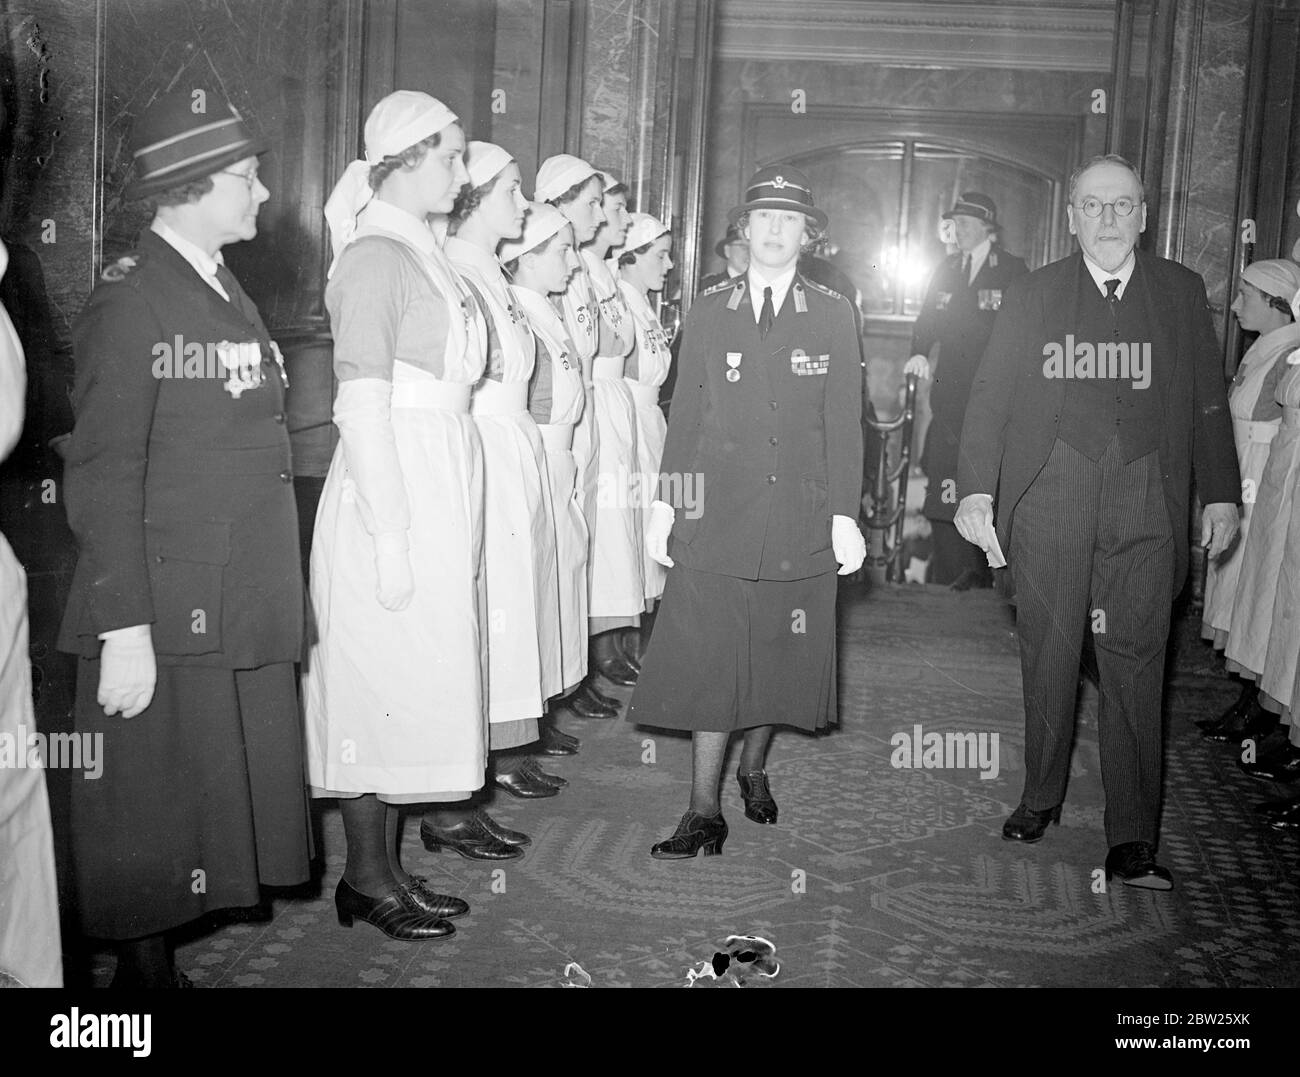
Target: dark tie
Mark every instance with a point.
(767, 315)
(1112, 288)
(965, 269)
(238, 298)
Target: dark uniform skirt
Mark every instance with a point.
(728, 654)
(201, 799)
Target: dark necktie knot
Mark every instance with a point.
(965, 268)
(1112, 290)
(768, 314)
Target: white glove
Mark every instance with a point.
(918, 365)
(658, 525)
(849, 545)
(393, 565)
(974, 519)
(362, 412)
(128, 671)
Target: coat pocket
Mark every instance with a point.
(187, 566)
(815, 502)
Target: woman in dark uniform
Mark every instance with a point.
(186, 607)
(759, 488)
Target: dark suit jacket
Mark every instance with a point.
(957, 316)
(1014, 410)
(779, 451)
(179, 494)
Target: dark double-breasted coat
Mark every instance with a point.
(958, 315)
(178, 487)
(764, 446)
(1015, 412)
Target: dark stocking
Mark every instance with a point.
(753, 753)
(707, 753)
(365, 824)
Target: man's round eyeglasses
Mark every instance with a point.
(1092, 207)
(250, 178)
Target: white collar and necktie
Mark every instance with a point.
(973, 260)
(204, 264)
(779, 285)
(1123, 274)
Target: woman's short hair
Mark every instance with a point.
(618, 188)
(628, 258)
(813, 234)
(1274, 301)
(512, 267)
(408, 158)
(571, 195)
(178, 196)
(468, 200)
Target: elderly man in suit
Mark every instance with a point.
(186, 609)
(760, 485)
(1098, 397)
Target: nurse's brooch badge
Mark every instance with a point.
(733, 365)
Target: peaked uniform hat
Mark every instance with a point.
(172, 144)
(733, 236)
(779, 187)
(974, 204)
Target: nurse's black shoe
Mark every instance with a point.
(590, 689)
(584, 704)
(617, 670)
(759, 805)
(397, 914)
(519, 783)
(552, 741)
(534, 770)
(1211, 728)
(1253, 721)
(470, 838)
(695, 833)
(443, 906)
(503, 834)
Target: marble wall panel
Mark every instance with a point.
(1210, 223)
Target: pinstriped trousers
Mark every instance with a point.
(1092, 549)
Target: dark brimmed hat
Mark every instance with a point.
(733, 236)
(172, 144)
(974, 204)
(779, 187)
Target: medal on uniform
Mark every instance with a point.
(244, 363)
(733, 364)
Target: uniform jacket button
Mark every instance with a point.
(286, 476)
(771, 480)
(773, 404)
(279, 417)
(771, 440)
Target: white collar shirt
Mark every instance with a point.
(978, 257)
(779, 285)
(204, 264)
(1122, 274)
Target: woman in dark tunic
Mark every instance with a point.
(759, 486)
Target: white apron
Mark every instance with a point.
(568, 400)
(524, 662)
(617, 576)
(395, 700)
(653, 358)
(1268, 588)
(30, 949)
(1253, 442)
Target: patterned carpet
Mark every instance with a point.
(876, 876)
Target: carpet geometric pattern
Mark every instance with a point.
(875, 876)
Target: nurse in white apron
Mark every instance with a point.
(617, 576)
(1239, 596)
(541, 262)
(643, 266)
(576, 189)
(394, 686)
(519, 535)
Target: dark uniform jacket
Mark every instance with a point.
(180, 492)
(958, 316)
(772, 455)
(1015, 410)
